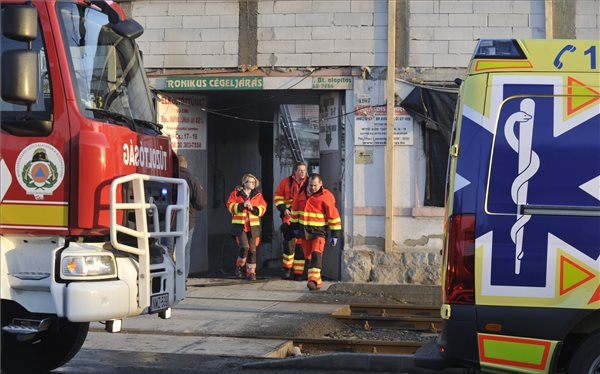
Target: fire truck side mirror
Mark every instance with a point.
(20, 77)
(20, 22)
(20, 67)
(129, 28)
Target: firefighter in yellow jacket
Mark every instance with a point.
(285, 193)
(246, 205)
(318, 218)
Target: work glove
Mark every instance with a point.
(333, 241)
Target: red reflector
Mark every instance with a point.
(460, 262)
(493, 327)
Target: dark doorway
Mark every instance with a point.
(240, 140)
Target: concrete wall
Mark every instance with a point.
(417, 229)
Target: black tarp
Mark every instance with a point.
(434, 111)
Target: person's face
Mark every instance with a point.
(250, 183)
(300, 172)
(314, 185)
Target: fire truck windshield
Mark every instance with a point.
(106, 68)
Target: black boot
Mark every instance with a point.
(286, 274)
(238, 272)
(312, 285)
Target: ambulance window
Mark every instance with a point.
(44, 101)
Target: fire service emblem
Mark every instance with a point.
(40, 169)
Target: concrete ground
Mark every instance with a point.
(223, 317)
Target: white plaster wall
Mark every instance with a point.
(367, 181)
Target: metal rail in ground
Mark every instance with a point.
(391, 316)
(308, 345)
(358, 346)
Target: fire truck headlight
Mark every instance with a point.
(88, 266)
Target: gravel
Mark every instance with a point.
(350, 332)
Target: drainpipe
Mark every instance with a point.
(549, 23)
(389, 147)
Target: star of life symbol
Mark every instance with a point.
(40, 169)
(529, 164)
(572, 263)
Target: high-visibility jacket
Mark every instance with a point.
(243, 216)
(285, 193)
(316, 213)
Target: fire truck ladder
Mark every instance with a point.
(285, 121)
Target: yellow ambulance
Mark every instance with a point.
(521, 277)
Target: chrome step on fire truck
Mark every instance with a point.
(87, 182)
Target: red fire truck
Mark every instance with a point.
(87, 179)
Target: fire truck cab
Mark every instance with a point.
(521, 276)
(88, 186)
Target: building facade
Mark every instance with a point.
(253, 85)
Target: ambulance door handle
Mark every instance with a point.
(559, 210)
(454, 150)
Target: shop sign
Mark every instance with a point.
(184, 120)
(211, 83)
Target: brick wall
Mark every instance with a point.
(188, 34)
(443, 33)
(312, 33)
(322, 33)
(587, 19)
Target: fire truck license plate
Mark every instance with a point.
(159, 302)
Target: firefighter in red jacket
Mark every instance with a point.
(317, 215)
(285, 193)
(246, 205)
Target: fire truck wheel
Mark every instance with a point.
(49, 350)
(586, 359)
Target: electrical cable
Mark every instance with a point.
(429, 87)
(269, 97)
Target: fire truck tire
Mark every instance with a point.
(586, 359)
(52, 349)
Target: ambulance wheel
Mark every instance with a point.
(586, 359)
(46, 351)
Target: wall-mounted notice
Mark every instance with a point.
(329, 119)
(371, 126)
(184, 120)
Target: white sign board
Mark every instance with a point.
(183, 120)
(371, 126)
